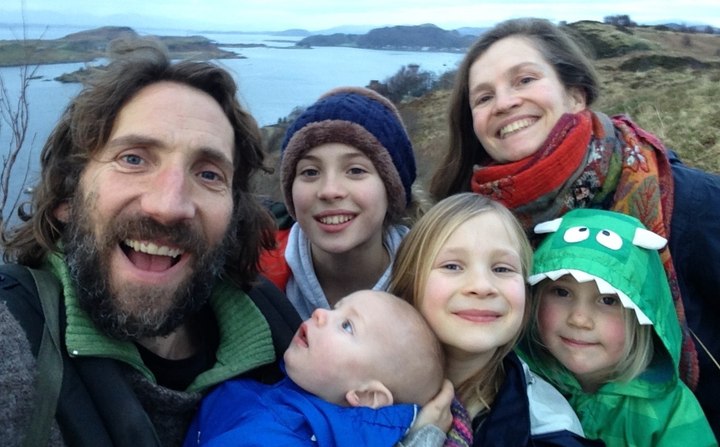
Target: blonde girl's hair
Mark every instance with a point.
(636, 356)
(415, 258)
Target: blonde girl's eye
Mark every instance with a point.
(347, 326)
(452, 267)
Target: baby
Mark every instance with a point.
(355, 376)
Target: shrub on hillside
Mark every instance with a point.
(408, 82)
(619, 20)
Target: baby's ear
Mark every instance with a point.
(372, 394)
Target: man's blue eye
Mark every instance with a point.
(347, 326)
(133, 159)
(209, 175)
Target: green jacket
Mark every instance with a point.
(656, 408)
(245, 338)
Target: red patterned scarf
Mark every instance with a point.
(592, 161)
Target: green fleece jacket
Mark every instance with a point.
(245, 338)
(656, 408)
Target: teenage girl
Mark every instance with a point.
(347, 172)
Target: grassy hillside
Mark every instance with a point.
(666, 81)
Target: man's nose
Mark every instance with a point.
(169, 199)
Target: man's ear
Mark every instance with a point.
(62, 212)
(372, 394)
(578, 99)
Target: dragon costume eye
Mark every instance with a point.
(576, 234)
(609, 239)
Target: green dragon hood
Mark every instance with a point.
(620, 255)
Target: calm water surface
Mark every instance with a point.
(272, 80)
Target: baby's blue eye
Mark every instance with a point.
(347, 326)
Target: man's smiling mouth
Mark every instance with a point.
(150, 256)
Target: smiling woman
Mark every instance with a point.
(521, 133)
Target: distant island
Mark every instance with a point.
(404, 38)
(86, 46)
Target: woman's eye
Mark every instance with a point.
(526, 80)
(347, 326)
(482, 99)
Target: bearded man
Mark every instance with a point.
(143, 216)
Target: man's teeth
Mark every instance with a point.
(335, 220)
(517, 125)
(152, 249)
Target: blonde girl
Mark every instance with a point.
(464, 266)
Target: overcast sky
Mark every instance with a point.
(276, 15)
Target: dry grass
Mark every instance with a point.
(681, 108)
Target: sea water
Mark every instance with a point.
(272, 80)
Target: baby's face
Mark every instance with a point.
(335, 351)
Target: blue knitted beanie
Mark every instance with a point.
(360, 118)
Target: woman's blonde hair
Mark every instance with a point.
(636, 356)
(417, 254)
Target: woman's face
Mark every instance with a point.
(516, 98)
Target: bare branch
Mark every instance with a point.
(14, 112)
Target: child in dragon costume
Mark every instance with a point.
(605, 333)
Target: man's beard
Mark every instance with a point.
(134, 311)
